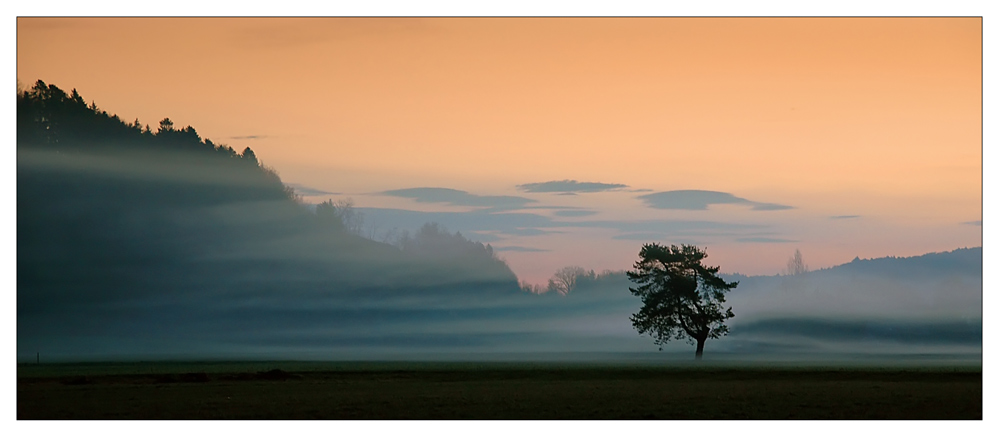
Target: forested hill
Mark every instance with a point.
(123, 230)
(964, 261)
(49, 118)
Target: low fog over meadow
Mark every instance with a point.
(153, 242)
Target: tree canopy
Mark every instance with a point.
(681, 297)
(564, 280)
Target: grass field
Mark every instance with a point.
(383, 391)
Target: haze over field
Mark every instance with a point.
(414, 184)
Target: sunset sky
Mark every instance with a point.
(752, 137)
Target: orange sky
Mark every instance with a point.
(878, 118)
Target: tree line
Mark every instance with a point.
(166, 199)
(50, 118)
(109, 251)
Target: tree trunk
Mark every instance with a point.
(700, 349)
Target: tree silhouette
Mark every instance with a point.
(565, 280)
(249, 157)
(165, 125)
(681, 297)
(339, 215)
(795, 265)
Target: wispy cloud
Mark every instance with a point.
(670, 227)
(575, 213)
(493, 226)
(770, 207)
(309, 191)
(550, 207)
(482, 237)
(701, 199)
(248, 137)
(973, 223)
(844, 217)
(764, 239)
(464, 222)
(640, 236)
(528, 231)
(568, 186)
(460, 198)
(518, 249)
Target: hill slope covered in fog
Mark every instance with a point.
(128, 234)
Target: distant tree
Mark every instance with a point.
(372, 230)
(681, 297)
(341, 215)
(565, 280)
(249, 156)
(529, 288)
(389, 236)
(165, 126)
(290, 192)
(795, 265)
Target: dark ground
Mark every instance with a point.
(382, 391)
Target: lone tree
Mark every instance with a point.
(681, 298)
(795, 265)
(565, 280)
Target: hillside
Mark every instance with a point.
(934, 285)
(131, 239)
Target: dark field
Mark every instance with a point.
(381, 391)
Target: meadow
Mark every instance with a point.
(493, 391)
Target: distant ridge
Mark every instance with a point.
(964, 261)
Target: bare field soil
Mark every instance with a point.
(387, 391)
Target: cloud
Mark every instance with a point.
(518, 249)
(700, 200)
(637, 236)
(475, 221)
(844, 217)
(528, 231)
(649, 237)
(309, 191)
(670, 227)
(248, 137)
(763, 239)
(460, 198)
(482, 237)
(575, 213)
(769, 207)
(973, 223)
(490, 227)
(568, 186)
(550, 207)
